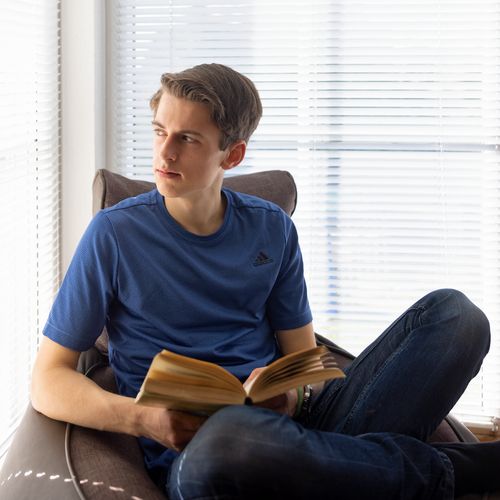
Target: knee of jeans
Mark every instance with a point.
(223, 448)
(230, 430)
(473, 325)
(231, 421)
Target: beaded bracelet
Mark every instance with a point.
(307, 399)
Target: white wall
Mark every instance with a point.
(83, 118)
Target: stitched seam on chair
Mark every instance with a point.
(67, 436)
(69, 462)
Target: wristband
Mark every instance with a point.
(300, 402)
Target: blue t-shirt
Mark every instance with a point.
(155, 286)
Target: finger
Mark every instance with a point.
(278, 403)
(190, 420)
(181, 433)
(254, 373)
(279, 400)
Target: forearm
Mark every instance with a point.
(64, 394)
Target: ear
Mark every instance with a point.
(235, 155)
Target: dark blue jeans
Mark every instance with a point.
(365, 435)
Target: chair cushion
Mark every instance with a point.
(277, 186)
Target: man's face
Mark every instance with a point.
(187, 161)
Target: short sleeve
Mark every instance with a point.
(79, 312)
(288, 305)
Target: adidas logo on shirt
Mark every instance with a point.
(262, 259)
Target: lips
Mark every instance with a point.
(167, 174)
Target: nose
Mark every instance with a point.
(168, 151)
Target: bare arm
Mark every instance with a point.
(296, 339)
(60, 392)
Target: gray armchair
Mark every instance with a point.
(49, 459)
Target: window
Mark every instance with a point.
(29, 201)
(386, 114)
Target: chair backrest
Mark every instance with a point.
(277, 186)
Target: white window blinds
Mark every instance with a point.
(29, 201)
(387, 115)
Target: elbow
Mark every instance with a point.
(35, 397)
(51, 379)
(40, 391)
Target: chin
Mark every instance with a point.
(166, 192)
(163, 186)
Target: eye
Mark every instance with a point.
(159, 132)
(188, 139)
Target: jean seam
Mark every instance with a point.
(362, 396)
(450, 477)
(319, 407)
(418, 310)
(177, 479)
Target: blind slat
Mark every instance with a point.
(29, 180)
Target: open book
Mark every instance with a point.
(182, 383)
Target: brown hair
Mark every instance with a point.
(232, 98)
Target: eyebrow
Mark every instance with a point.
(187, 131)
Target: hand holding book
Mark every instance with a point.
(285, 403)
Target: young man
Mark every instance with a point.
(174, 268)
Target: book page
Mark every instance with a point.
(193, 390)
(308, 366)
(178, 382)
(169, 362)
(196, 407)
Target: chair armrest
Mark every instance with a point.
(35, 466)
(107, 465)
(50, 459)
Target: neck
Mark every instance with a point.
(198, 215)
